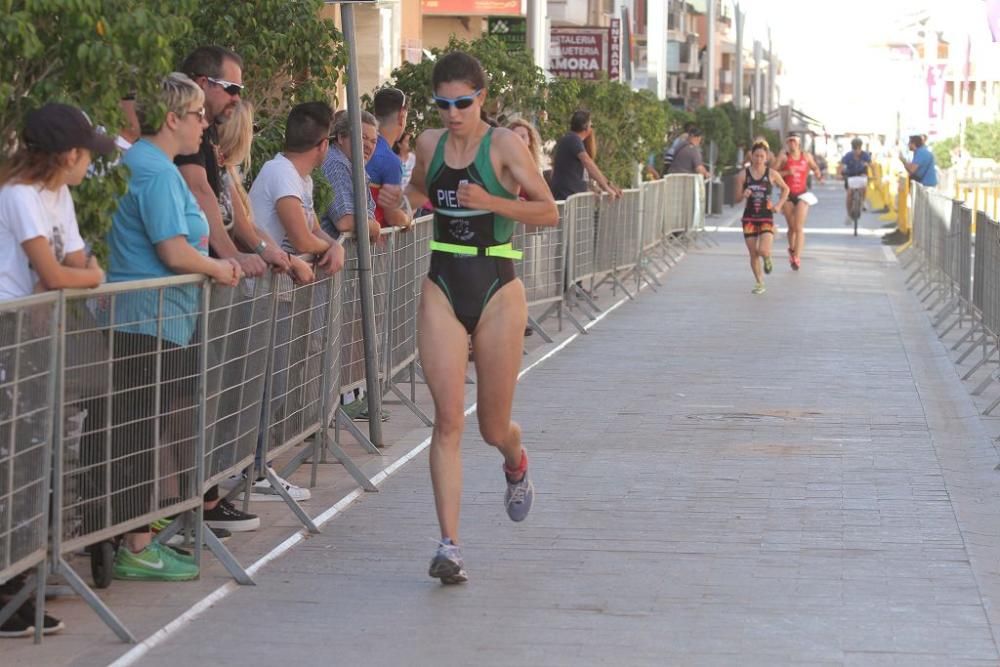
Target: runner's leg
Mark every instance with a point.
(441, 340)
(764, 242)
(751, 242)
(788, 210)
(801, 211)
(497, 347)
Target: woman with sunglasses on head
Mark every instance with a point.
(472, 174)
(794, 166)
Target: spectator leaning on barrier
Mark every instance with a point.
(157, 230)
(570, 160)
(339, 217)
(688, 159)
(921, 168)
(235, 140)
(219, 73)
(384, 168)
(282, 200)
(40, 245)
(281, 197)
(671, 152)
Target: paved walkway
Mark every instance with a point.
(793, 478)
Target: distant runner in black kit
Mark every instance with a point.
(472, 174)
(754, 184)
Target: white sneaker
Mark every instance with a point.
(263, 491)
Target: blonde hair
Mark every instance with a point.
(177, 93)
(236, 136)
(534, 140)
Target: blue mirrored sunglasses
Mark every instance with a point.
(463, 102)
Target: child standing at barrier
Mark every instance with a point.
(40, 244)
(472, 173)
(754, 185)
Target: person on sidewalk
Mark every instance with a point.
(235, 141)
(472, 173)
(571, 160)
(157, 230)
(384, 167)
(41, 249)
(219, 74)
(754, 185)
(855, 162)
(688, 159)
(339, 217)
(794, 166)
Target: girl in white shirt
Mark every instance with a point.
(40, 244)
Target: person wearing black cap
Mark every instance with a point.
(40, 244)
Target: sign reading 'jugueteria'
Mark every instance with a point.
(471, 7)
(585, 53)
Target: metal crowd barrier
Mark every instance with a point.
(956, 252)
(28, 356)
(145, 394)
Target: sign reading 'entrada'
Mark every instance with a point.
(586, 53)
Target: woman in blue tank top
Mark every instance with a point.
(472, 174)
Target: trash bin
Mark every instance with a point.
(715, 196)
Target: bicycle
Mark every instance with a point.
(856, 186)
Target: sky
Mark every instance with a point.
(834, 70)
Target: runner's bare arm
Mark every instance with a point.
(741, 179)
(779, 182)
(815, 167)
(416, 189)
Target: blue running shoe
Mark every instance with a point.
(518, 498)
(447, 564)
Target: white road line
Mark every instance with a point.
(134, 654)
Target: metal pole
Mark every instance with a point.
(710, 57)
(361, 231)
(757, 56)
(738, 74)
(770, 71)
(536, 33)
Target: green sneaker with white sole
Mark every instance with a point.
(154, 563)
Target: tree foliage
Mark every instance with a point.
(981, 140)
(89, 53)
(92, 53)
(515, 84)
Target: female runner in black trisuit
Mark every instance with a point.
(471, 174)
(758, 217)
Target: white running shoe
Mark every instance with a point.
(262, 491)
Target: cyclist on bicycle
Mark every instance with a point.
(854, 163)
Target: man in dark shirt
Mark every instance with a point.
(688, 158)
(219, 72)
(570, 159)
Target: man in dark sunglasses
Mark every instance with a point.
(219, 72)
